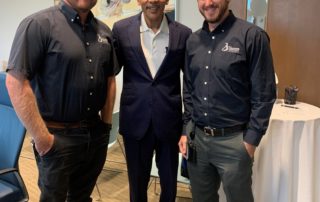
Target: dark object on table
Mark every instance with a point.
(290, 95)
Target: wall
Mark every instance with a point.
(11, 13)
(292, 27)
(239, 8)
(188, 14)
(294, 31)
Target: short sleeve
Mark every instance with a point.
(28, 48)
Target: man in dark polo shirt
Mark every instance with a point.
(60, 76)
(229, 91)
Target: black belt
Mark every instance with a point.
(66, 125)
(216, 132)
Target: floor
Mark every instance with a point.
(112, 183)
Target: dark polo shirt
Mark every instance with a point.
(66, 62)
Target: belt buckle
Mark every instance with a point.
(209, 131)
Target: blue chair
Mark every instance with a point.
(12, 134)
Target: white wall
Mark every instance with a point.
(187, 13)
(11, 13)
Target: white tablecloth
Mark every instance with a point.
(287, 161)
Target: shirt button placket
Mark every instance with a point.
(91, 92)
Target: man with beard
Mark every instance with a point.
(60, 76)
(150, 48)
(229, 91)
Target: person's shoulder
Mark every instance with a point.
(124, 23)
(42, 17)
(103, 25)
(251, 30)
(44, 13)
(195, 34)
(182, 27)
(194, 39)
(248, 26)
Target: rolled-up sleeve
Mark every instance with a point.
(28, 48)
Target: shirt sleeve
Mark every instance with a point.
(187, 89)
(263, 87)
(113, 61)
(28, 48)
(117, 48)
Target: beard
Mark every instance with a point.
(219, 13)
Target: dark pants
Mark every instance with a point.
(139, 155)
(221, 159)
(68, 172)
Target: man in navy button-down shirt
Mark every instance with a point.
(229, 91)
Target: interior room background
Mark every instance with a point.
(292, 27)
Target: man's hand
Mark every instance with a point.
(250, 149)
(25, 105)
(183, 145)
(44, 144)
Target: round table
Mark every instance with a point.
(287, 161)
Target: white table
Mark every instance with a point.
(287, 161)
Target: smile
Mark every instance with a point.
(153, 7)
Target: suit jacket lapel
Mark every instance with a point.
(174, 38)
(135, 40)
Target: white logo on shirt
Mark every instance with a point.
(102, 40)
(230, 49)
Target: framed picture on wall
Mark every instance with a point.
(110, 11)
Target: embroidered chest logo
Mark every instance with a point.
(102, 39)
(230, 49)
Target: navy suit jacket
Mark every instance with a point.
(145, 100)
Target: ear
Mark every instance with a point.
(138, 2)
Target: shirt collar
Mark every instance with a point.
(223, 25)
(164, 27)
(72, 14)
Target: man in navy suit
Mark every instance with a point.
(150, 47)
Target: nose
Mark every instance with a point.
(208, 2)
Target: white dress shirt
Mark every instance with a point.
(154, 45)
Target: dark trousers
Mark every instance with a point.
(221, 159)
(139, 155)
(68, 172)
